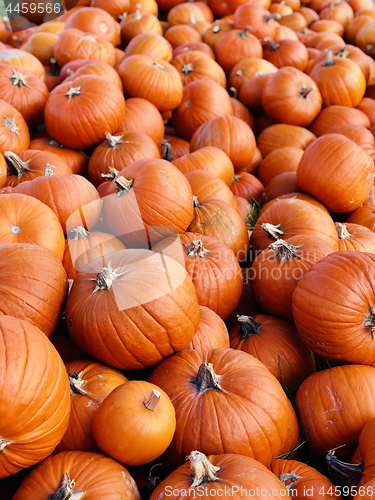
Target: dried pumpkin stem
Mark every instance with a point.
(196, 249)
(195, 201)
(76, 383)
(268, 17)
(48, 169)
(137, 12)
(111, 174)
(157, 65)
(3, 444)
(274, 231)
(105, 278)
(123, 185)
(11, 125)
(79, 233)
(305, 91)
(342, 52)
(89, 37)
(284, 251)
(16, 163)
(192, 18)
(248, 326)
(204, 470)
(187, 68)
(207, 378)
(274, 45)
(73, 91)
(216, 29)
(18, 80)
(167, 153)
(243, 33)
(342, 231)
(65, 492)
(152, 401)
(233, 91)
(370, 320)
(291, 478)
(351, 471)
(113, 140)
(53, 142)
(329, 59)
(55, 71)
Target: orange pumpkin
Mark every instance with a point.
(211, 333)
(14, 132)
(96, 22)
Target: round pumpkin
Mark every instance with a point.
(34, 378)
(284, 159)
(334, 116)
(281, 135)
(96, 22)
(14, 132)
(140, 406)
(109, 298)
(207, 186)
(76, 159)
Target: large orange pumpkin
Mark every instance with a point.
(96, 22)
(35, 404)
(238, 388)
(65, 121)
(73, 473)
(126, 298)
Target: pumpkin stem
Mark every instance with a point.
(152, 401)
(113, 140)
(289, 476)
(274, 45)
(123, 185)
(192, 18)
(351, 471)
(248, 326)
(65, 492)
(167, 153)
(232, 90)
(305, 91)
(55, 71)
(11, 125)
(196, 249)
(3, 444)
(329, 59)
(88, 37)
(342, 231)
(204, 470)
(157, 65)
(105, 278)
(79, 233)
(268, 17)
(18, 80)
(73, 91)
(207, 378)
(195, 201)
(48, 170)
(236, 178)
(274, 231)
(76, 383)
(342, 52)
(216, 29)
(137, 12)
(243, 33)
(370, 320)
(111, 174)
(187, 68)
(16, 163)
(284, 251)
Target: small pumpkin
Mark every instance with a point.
(212, 332)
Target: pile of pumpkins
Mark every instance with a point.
(187, 225)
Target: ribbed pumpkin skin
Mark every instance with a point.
(279, 347)
(331, 304)
(33, 285)
(296, 217)
(212, 332)
(236, 471)
(310, 480)
(72, 198)
(78, 130)
(248, 391)
(24, 219)
(337, 172)
(98, 476)
(99, 382)
(141, 333)
(35, 406)
(275, 279)
(216, 276)
(360, 238)
(334, 405)
(159, 198)
(281, 135)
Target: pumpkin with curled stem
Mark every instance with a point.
(238, 388)
(34, 378)
(355, 237)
